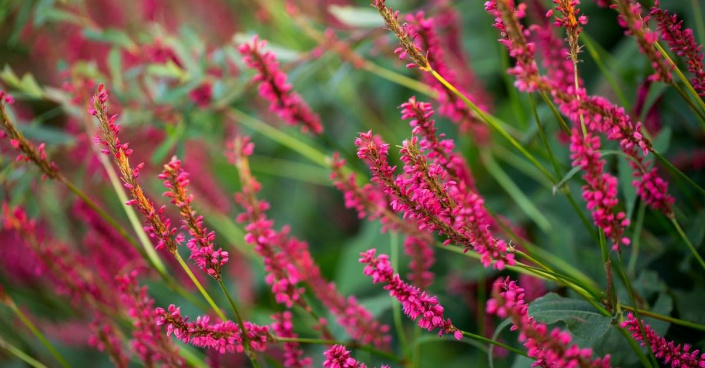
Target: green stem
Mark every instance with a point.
(544, 140)
(200, 287)
(396, 311)
(132, 216)
(592, 50)
(687, 241)
(492, 342)
(680, 173)
(150, 257)
(278, 136)
(630, 290)
(399, 79)
(636, 239)
(492, 123)
(681, 76)
(370, 349)
(607, 263)
(23, 317)
(21, 354)
(245, 339)
(698, 112)
(516, 194)
(561, 122)
(662, 317)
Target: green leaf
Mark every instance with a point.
(165, 147)
(366, 17)
(663, 140)
(581, 318)
(111, 36)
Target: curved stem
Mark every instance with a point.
(687, 241)
(153, 261)
(200, 287)
(245, 339)
(27, 322)
(662, 317)
(678, 172)
(21, 354)
(492, 342)
(492, 123)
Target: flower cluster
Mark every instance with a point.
(600, 192)
(148, 341)
(158, 227)
(631, 19)
(416, 303)
(293, 355)
(201, 244)
(424, 31)
(339, 357)
(676, 355)
(571, 21)
(405, 35)
(28, 152)
(223, 336)
(435, 189)
(550, 349)
(595, 112)
(682, 42)
(422, 258)
(289, 262)
(274, 87)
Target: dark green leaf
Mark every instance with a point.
(581, 318)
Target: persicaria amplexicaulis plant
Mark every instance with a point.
(412, 161)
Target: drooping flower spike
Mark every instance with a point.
(158, 227)
(416, 304)
(595, 112)
(681, 41)
(27, 151)
(674, 355)
(549, 349)
(273, 87)
(201, 244)
(224, 336)
(290, 264)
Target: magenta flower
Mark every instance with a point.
(598, 114)
(677, 356)
(27, 151)
(423, 257)
(427, 194)
(339, 357)
(222, 336)
(158, 227)
(289, 262)
(631, 19)
(682, 42)
(147, 340)
(274, 87)
(415, 303)
(105, 338)
(293, 355)
(424, 31)
(600, 192)
(201, 243)
(550, 349)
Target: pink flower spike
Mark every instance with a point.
(672, 354)
(273, 87)
(415, 303)
(549, 349)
